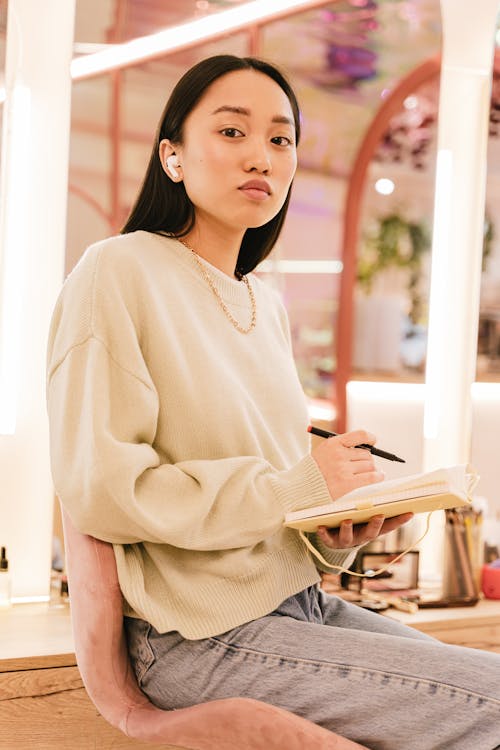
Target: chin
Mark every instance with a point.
(257, 224)
(257, 219)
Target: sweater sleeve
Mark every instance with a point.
(116, 486)
(336, 558)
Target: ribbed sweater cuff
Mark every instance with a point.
(342, 557)
(303, 486)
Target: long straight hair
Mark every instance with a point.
(163, 206)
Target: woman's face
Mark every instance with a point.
(238, 157)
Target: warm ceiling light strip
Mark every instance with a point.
(187, 34)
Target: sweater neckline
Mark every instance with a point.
(233, 291)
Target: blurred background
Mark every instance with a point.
(344, 59)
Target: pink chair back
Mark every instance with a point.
(101, 652)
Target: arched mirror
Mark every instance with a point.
(387, 241)
(397, 155)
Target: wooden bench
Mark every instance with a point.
(43, 704)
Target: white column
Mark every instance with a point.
(466, 70)
(33, 194)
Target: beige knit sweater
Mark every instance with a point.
(179, 439)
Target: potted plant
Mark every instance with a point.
(395, 243)
(400, 243)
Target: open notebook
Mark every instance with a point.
(434, 490)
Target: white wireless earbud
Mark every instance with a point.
(171, 163)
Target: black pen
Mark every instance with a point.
(371, 448)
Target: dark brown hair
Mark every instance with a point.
(163, 206)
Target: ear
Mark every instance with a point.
(169, 160)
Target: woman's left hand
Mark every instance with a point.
(353, 535)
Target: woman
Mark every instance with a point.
(178, 432)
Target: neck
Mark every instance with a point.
(219, 246)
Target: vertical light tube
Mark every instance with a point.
(466, 71)
(33, 195)
(12, 236)
(464, 102)
(438, 296)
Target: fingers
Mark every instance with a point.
(352, 535)
(330, 537)
(340, 538)
(358, 454)
(357, 437)
(373, 528)
(346, 534)
(390, 524)
(366, 466)
(368, 477)
(379, 525)
(343, 466)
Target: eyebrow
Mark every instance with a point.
(244, 111)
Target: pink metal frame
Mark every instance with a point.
(429, 70)
(424, 73)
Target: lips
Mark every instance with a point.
(256, 185)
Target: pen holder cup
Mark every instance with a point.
(460, 578)
(490, 581)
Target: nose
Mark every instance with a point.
(258, 158)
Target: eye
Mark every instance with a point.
(281, 140)
(232, 133)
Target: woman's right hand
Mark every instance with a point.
(345, 467)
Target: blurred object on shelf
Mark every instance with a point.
(490, 580)
(491, 532)
(330, 582)
(312, 324)
(413, 345)
(59, 593)
(463, 552)
(402, 603)
(401, 575)
(377, 332)
(57, 554)
(491, 552)
(489, 338)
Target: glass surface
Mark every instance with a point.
(394, 243)
(345, 60)
(342, 60)
(488, 352)
(103, 21)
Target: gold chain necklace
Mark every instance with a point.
(218, 297)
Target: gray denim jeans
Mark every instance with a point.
(354, 672)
